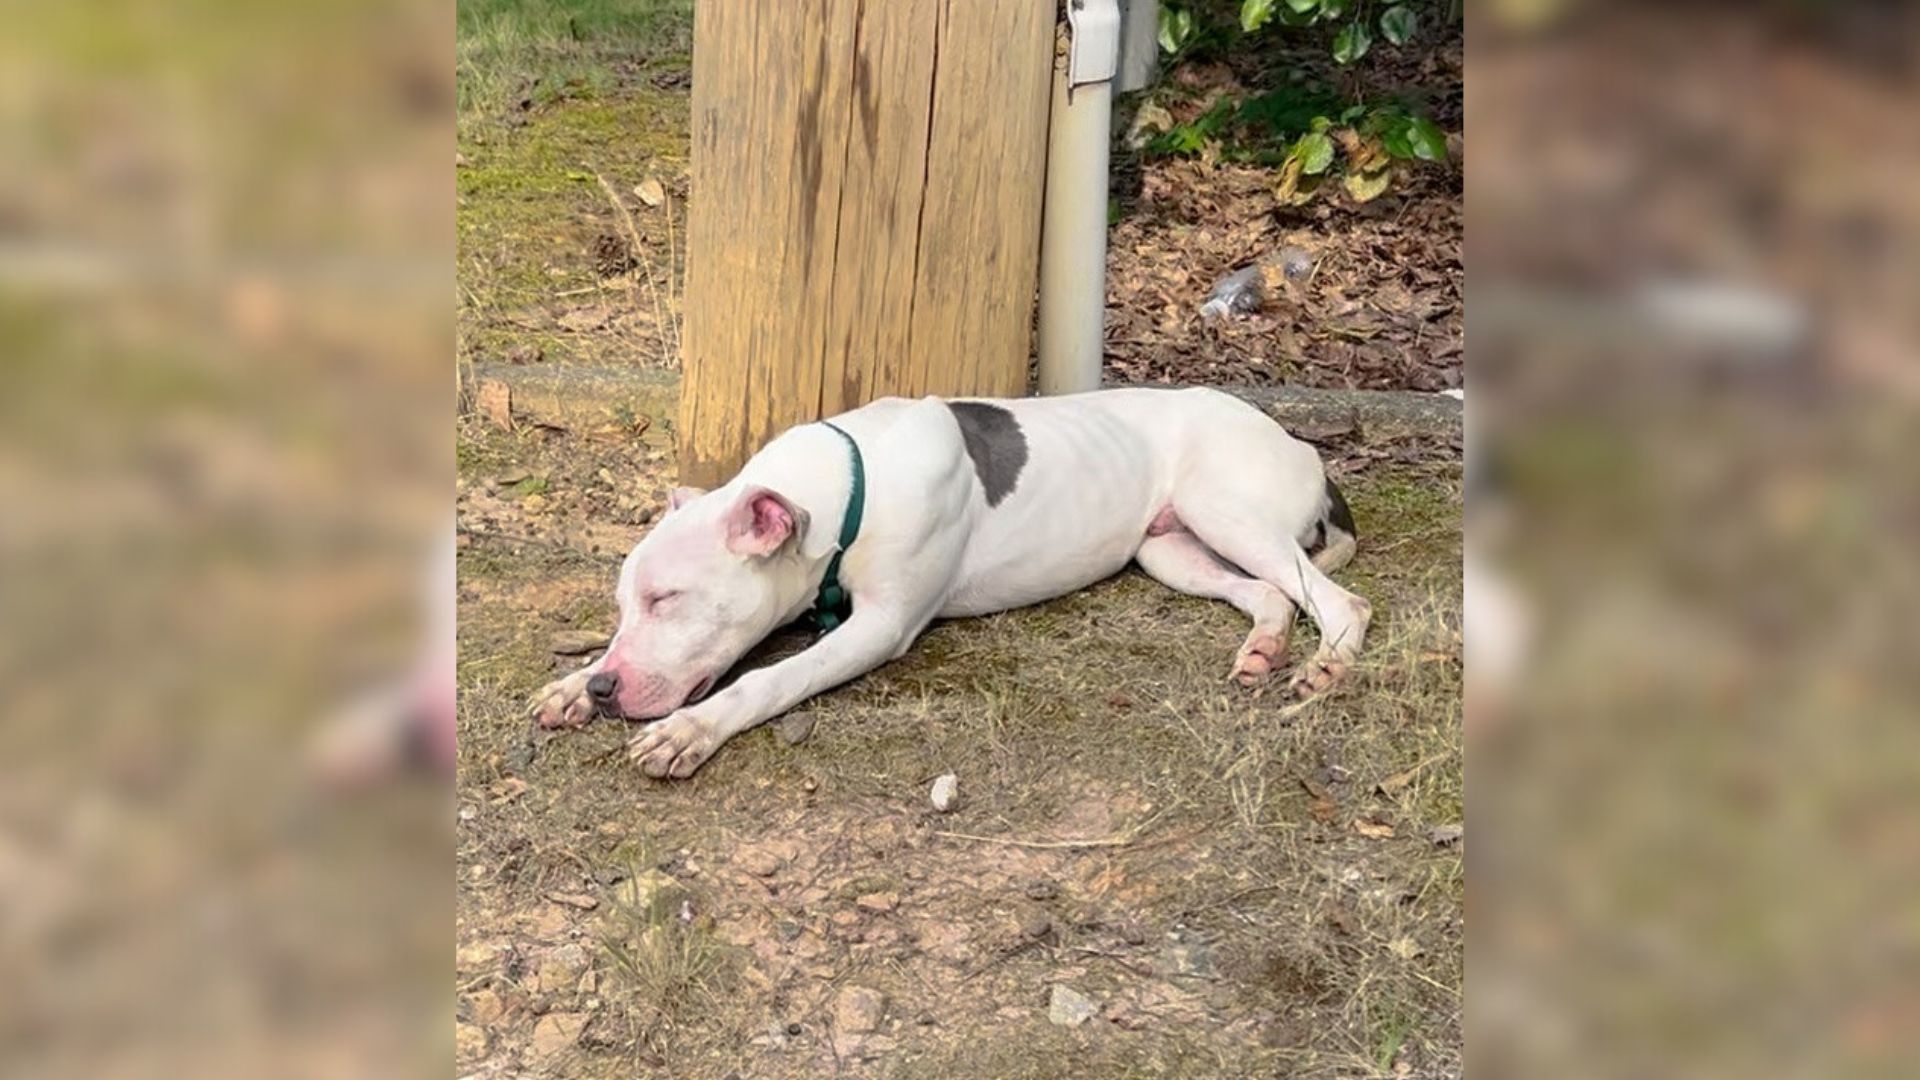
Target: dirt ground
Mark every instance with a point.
(1150, 872)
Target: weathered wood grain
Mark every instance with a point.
(868, 177)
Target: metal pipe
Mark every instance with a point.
(1073, 235)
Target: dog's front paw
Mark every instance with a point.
(563, 703)
(675, 746)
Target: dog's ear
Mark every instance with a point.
(682, 496)
(762, 521)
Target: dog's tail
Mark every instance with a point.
(1331, 541)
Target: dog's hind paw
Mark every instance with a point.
(1259, 656)
(1318, 675)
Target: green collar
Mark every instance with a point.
(833, 605)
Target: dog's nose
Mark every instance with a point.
(601, 686)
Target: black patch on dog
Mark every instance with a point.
(1338, 512)
(1337, 516)
(995, 443)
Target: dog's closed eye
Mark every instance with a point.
(655, 601)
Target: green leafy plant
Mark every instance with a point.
(1309, 135)
(1176, 29)
(1399, 23)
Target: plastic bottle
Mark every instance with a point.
(1241, 291)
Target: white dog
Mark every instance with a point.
(887, 517)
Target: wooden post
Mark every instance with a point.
(865, 217)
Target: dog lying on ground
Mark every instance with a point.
(911, 510)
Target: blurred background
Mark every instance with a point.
(225, 310)
(225, 460)
(1696, 251)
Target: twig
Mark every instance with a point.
(1115, 957)
(1109, 841)
(551, 545)
(639, 247)
(598, 286)
(1121, 840)
(1230, 898)
(1001, 958)
(672, 258)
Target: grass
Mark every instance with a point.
(1098, 714)
(541, 51)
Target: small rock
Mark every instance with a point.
(479, 956)
(1042, 889)
(1069, 1007)
(653, 894)
(1123, 1015)
(560, 969)
(495, 400)
(579, 901)
(525, 354)
(556, 1032)
(578, 642)
(787, 929)
(551, 923)
(1133, 933)
(1448, 835)
(879, 901)
(520, 758)
(486, 1008)
(795, 727)
(794, 1029)
(469, 1042)
(1185, 957)
(459, 160)
(946, 793)
(760, 863)
(1036, 923)
(650, 191)
(858, 1009)
(534, 504)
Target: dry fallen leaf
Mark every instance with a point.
(1398, 782)
(1372, 829)
(506, 790)
(581, 901)
(495, 400)
(650, 191)
(1341, 917)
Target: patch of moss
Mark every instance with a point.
(528, 206)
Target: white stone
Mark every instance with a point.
(945, 793)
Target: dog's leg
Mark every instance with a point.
(682, 742)
(1267, 552)
(1180, 561)
(563, 703)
